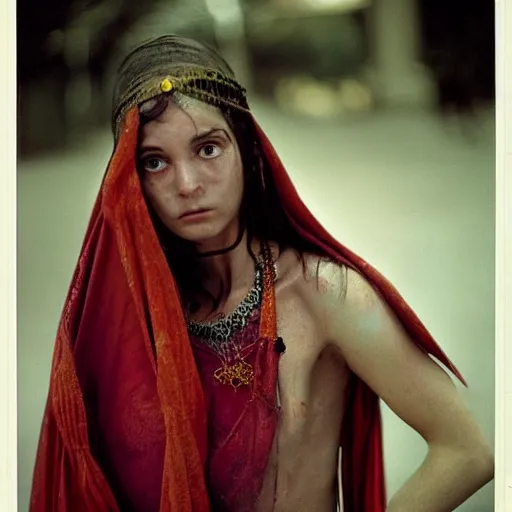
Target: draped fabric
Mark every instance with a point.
(122, 300)
(361, 436)
(242, 421)
(126, 409)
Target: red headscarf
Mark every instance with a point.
(123, 302)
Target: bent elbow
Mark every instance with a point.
(487, 463)
(481, 460)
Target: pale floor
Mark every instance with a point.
(414, 198)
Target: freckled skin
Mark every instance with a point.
(179, 175)
(330, 319)
(312, 376)
(312, 382)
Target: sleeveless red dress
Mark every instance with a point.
(242, 420)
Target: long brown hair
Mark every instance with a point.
(261, 214)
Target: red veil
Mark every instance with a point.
(123, 302)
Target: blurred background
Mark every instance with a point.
(382, 111)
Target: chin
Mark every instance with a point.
(199, 234)
(208, 236)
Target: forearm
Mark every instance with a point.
(447, 478)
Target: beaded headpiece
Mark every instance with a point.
(171, 64)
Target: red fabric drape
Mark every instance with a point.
(361, 437)
(123, 304)
(121, 274)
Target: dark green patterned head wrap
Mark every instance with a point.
(171, 64)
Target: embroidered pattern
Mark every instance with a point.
(218, 333)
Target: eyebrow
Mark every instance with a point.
(206, 134)
(197, 138)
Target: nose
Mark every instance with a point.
(187, 180)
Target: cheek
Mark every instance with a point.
(232, 193)
(157, 194)
(150, 190)
(234, 182)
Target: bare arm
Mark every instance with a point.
(376, 347)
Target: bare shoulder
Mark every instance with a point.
(333, 293)
(297, 316)
(311, 274)
(313, 284)
(353, 319)
(348, 310)
(328, 286)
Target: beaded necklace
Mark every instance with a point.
(218, 334)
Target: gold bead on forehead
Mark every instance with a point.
(166, 85)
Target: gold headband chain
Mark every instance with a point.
(205, 85)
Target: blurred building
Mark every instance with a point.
(322, 58)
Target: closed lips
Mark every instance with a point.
(192, 212)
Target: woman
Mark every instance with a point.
(217, 346)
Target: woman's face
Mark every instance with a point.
(192, 173)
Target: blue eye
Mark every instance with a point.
(154, 164)
(209, 151)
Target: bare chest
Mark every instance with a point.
(312, 374)
(312, 381)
